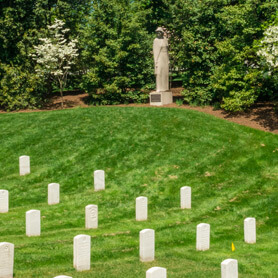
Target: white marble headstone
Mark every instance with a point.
(82, 252)
(147, 245)
(33, 222)
(4, 201)
(62, 276)
(53, 193)
(6, 260)
(24, 165)
(203, 237)
(156, 272)
(229, 269)
(250, 230)
(141, 208)
(91, 217)
(185, 196)
(99, 180)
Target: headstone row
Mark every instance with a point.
(24, 169)
(203, 234)
(82, 250)
(82, 257)
(82, 243)
(33, 220)
(33, 224)
(142, 203)
(99, 184)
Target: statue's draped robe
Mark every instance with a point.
(161, 62)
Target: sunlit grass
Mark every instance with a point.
(148, 152)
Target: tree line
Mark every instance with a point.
(214, 46)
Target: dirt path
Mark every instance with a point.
(261, 116)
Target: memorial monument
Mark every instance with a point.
(162, 95)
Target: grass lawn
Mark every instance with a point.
(152, 152)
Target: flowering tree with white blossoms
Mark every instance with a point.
(55, 55)
(269, 48)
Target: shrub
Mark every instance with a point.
(20, 88)
(197, 96)
(238, 101)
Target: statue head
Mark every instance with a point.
(159, 33)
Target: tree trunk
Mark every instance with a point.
(49, 86)
(62, 98)
(61, 85)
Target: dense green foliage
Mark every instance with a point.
(148, 152)
(117, 53)
(22, 23)
(20, 88)
(212, 42)
(213, 46)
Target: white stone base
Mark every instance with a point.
(161, 98)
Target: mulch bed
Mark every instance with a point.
(261, 116)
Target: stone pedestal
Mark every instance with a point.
(161, 98)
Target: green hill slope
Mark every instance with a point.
(233, 172)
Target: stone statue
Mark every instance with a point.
(162, 95)
(161, 61)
